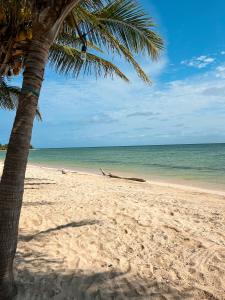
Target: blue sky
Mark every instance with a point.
(185, 104)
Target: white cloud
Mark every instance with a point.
(106, 112)
(222, 52)
(110, 112)
(220, 71)
(199, 62)
(156, 68)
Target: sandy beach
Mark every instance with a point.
(84, 236)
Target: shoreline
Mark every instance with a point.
(148, 181)
(157, 182)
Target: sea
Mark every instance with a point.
(201, 165)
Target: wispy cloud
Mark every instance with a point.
(199, 62)
(143, 114)
(220, 71)
(111, 112)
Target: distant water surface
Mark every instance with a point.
(198, 165)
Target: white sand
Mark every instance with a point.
(88, 237)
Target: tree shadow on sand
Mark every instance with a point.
(38, 183)
(37, 203)
(56, 283)
(35, 183)
(27, 238)
(43, 277)
(27, 179)
(106, 285)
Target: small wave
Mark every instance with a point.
(107, 161)
(185, 167)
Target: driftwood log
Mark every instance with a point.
(127, 178)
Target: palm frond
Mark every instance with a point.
(70, 38)
(67, 60)
(9, 97)
(38, 114)
(119, 26)
(122, 50)
(127, 22)
(108, 41)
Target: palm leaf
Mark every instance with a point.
(9, 97)
(70, 38)
(120, 27)
(127, 22)
(122, 50)
(67, 60)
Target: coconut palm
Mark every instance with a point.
(120, 27)
(100, 26)
(111, 27)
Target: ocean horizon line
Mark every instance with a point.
(123, 146)
(198, 164)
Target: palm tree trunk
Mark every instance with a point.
(12, 181)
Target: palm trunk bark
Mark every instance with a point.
(12, 181)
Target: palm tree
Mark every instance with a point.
(65, 51)
(119, 26)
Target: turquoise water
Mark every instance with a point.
(198, 165)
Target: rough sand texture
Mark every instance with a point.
(86, 237)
